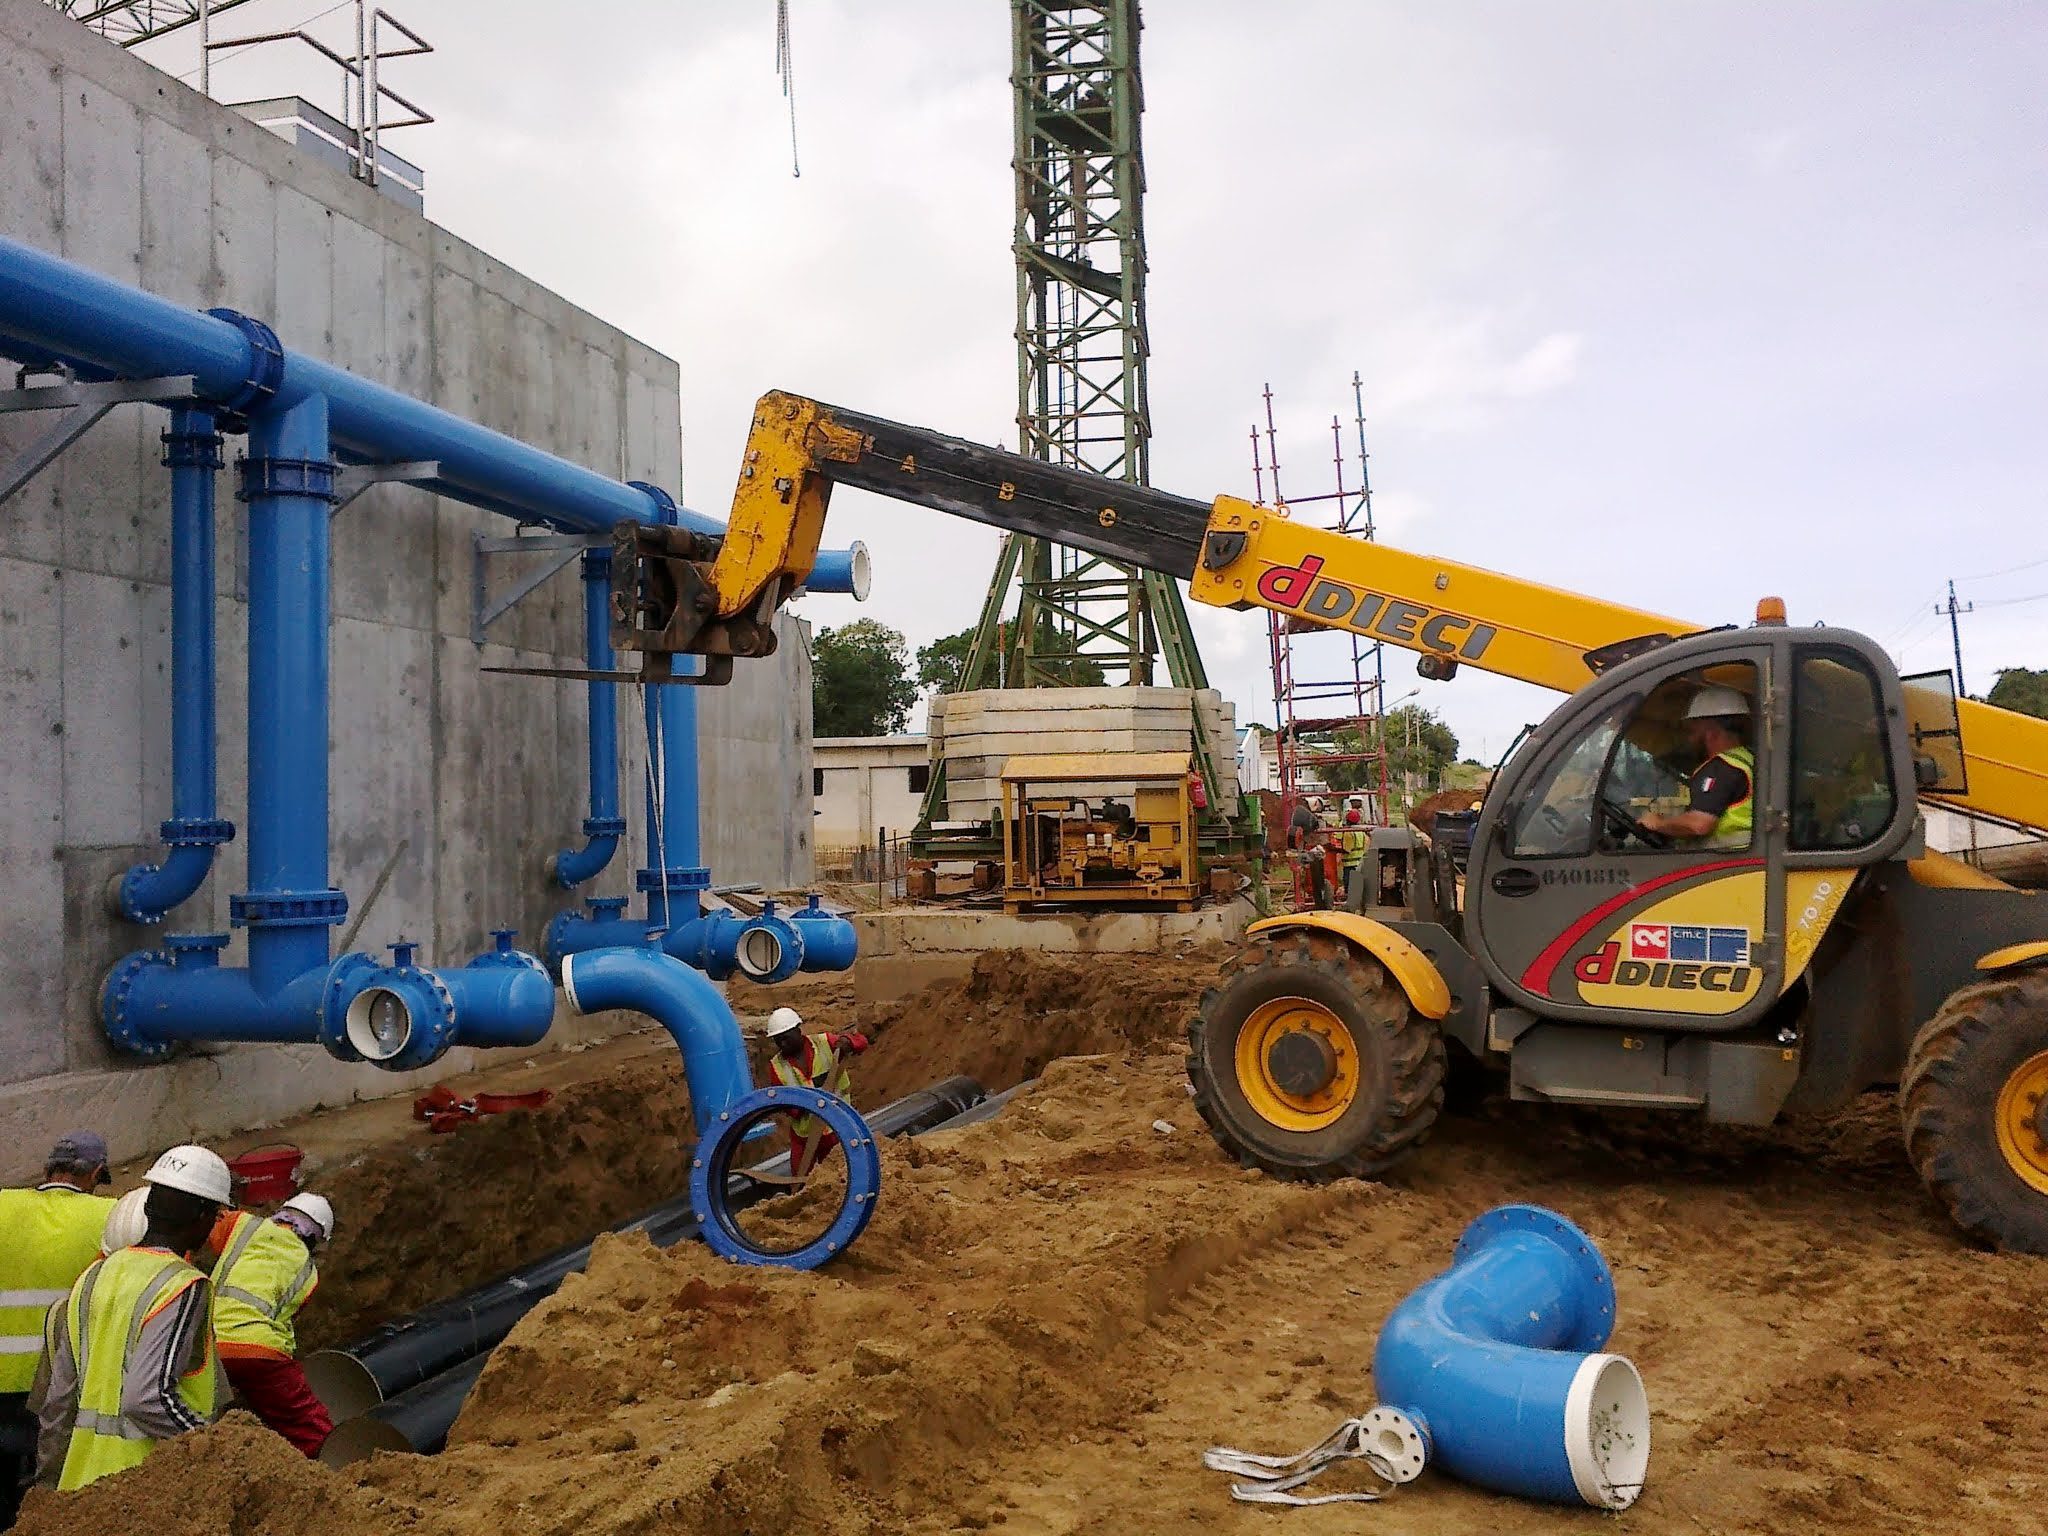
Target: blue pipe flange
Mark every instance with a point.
(266, 371)
(398, 1016)
(711, 1170)
(345, 978)
(665, 510)
(115, 1015)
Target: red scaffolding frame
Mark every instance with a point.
(1329, 685)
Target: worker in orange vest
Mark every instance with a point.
(810, 1061)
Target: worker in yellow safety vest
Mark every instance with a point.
(47, 1237)
(265, 1274)
(128, 1356)
(1356, 840)
(810, 1061)
(1720, 809)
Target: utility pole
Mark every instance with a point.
(1955, 633)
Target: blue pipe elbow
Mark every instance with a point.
(682, 1002)
(1497, 1364)
(143, 893)
(846, 572)
(573, 866)
(830, 943)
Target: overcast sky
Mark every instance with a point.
(1679, 303)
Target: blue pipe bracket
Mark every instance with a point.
(1495, 1369)
(711, 1170)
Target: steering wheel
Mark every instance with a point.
(1623, 820)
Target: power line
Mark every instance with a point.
(2007, 570)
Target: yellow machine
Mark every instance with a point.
(1808, 950)
(1063, 847)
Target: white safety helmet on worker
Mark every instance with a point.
(195, 1171)
(315, 1208)
(1717, 704)
(127, 1222)
(782, 1021)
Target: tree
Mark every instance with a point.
(2022, 689)
(860, 681)
(940, 664)
(1419, 746)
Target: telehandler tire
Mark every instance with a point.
(1974, 1098)
(1309, 1063)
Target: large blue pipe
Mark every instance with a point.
(65, 311)
(145, 892)
(682, 1002)
(603, 827)
(1496, 1366)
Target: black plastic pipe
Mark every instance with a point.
(406, 1353)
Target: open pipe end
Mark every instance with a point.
(758, 952)
(358, 1438)
(1607, 1431)
(379, 1023)
(343, 1384)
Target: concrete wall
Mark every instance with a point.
(463, 782)
(864, 784)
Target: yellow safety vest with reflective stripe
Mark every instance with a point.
(47, 1238)
(1733, 828)
(1356, 840)
(105, 1314)
(824, 1061)
(264, 1276)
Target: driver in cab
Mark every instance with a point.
(1721, 792)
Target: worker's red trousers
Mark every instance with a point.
(274, 1389)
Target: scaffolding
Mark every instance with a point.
(1329, 686)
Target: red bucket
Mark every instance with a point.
(267, 1174)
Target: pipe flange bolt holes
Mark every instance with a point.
(114, 995)
(2023, 1121)
(712, 1181)
(1297, 1064)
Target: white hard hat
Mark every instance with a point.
(196, 1171)
(317, 1208)
(127, 1222)
(782, 1021)
(1717, 704)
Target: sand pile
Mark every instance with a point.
(1019, 1010)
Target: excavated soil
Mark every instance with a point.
(1056, 1310)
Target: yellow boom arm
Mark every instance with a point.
(1235, 554)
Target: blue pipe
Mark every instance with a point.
(1495, 1364)
(830, 943)
(63, 310)
(145, 892)
(842, 570)
(604, 826)
(288, 480)
(682, 1002)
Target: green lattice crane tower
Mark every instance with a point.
(1081, 354)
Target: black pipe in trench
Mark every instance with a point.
(401, 1387)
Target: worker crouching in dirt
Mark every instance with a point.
(265, 1274)
(128, 1356)
(810, 1061)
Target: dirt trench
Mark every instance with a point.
(1056, 1310)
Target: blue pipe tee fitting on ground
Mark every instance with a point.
(830, 943)
(1497, 1364)
(682, 1002)
(711, 1168)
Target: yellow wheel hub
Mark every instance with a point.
(2023, 1121)
(1297, 1064)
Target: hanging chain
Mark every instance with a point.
(785, 69)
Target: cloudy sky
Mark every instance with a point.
(1680, 303)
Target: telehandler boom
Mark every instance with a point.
(1810, 950)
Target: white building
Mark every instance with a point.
(863, 786)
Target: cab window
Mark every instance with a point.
(1683, 773)
(1557, 818)
(1842, 791)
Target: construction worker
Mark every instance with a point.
(47, 1237)
(265, 1274)
(1355, 840)
(809, 1061)
(1721, 793)
(128, 1355)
